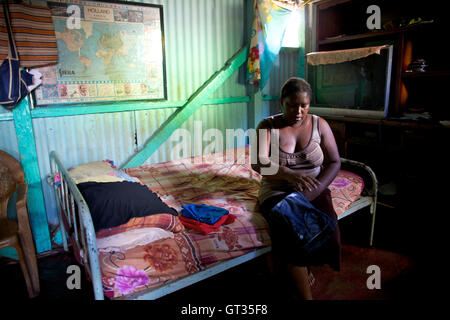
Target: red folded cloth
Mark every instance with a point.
(204, 227)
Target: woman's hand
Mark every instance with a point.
(311, 195)
(303, 182)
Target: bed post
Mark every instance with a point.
(373, 192)
(373, 210)
(86, 244)
(54, 171)
(92, 252)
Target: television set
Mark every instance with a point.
(352, 82)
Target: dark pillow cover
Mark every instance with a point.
(114, 203)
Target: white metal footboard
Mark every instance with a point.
(73, 212)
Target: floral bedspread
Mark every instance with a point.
(209, 180)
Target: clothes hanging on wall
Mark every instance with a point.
(13, 81)
(33, 33)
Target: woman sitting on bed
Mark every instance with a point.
(308, 163)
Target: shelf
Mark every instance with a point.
(371, 34)
(438, 73)
(387, 122)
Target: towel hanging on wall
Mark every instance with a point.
(33, 32)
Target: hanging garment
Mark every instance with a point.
(33, 32)
(13, 81)
(268, 28)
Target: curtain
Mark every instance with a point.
(269, 24)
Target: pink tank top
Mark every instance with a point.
(308, 161)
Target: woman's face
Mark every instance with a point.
(295, 107)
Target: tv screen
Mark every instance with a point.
(357, 88)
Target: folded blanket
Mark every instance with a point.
(203, 213)
(204, 227)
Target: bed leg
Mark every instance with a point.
(373, 209)
(63, 232)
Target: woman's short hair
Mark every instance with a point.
(293, 85)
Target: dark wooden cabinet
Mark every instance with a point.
(415, 31)
(397, 149)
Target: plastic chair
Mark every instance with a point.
(17, 234)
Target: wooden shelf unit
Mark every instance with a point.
(341, 24)
(426, 74)
(372, 34)
(390, 145)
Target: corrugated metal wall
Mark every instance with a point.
(8, 141)
(80, 139)
(284, 67)
(200, 36)
(221, 117)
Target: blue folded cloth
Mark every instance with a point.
(203, 213)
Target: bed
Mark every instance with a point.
(178, 256)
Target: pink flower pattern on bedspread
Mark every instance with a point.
(345, 189)
(203, 179)
(340, 182)
(129, 278)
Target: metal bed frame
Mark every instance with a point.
(76, 224)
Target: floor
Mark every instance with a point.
(401, 250)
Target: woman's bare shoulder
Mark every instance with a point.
(269, 122)
(323, 123)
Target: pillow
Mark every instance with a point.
(98, 171)
(164, 221)
(100, 178)
(90, 169)
(132, 238)
(345, 189)
(114, 203)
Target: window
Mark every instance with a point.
(292, 34)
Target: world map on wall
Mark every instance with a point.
(115, 52)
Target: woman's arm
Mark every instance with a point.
(331, 161)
